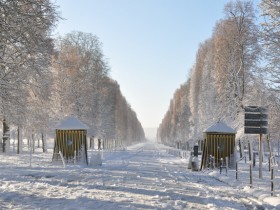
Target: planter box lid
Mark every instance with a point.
(220, 127)
(71, 123)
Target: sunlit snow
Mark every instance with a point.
(143, 176)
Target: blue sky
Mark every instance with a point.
(150, 45)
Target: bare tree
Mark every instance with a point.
(26, 47)
(236, 57)
(271, 41)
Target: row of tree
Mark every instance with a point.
(236, 67)
(43, 80)
(82, 87)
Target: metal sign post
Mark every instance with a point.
(256, 123)
(260, 156)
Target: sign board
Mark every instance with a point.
(257, 116)
(255, 130)
(257, 109)
(255, 123)
(256, 120)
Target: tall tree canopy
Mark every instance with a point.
(82, 87)
(26, 48)
(224, 79)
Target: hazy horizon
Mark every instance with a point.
(151, 133)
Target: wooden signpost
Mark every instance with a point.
(256, 122)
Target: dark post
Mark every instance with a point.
(250, 152)
(260, 156)
(226, 164)
(251, 176)
(272, 182)
(254, 159)
(236, 167)
(195, 151)
(19, 140)
(220, 168)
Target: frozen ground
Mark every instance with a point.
(142, 177)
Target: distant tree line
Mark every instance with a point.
(236, 67)
(43, 79)
(81, 87)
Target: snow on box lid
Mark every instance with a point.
(219, 127)
(71, 123)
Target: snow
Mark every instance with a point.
(143, 176)
(71, 123)
(220, 127)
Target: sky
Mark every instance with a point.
(150, 45)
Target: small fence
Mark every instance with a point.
(178, 153)
(256, 174)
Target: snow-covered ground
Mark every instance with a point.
(144, 176)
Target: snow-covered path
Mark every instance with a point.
(142, 177)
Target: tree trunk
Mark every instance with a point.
(44, 143)
(91, 142)
(6, 134)
(19, 141)
(33, 143)
(240, 148)
(38, 146)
